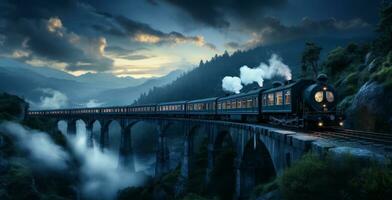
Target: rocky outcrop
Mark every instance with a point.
(371, 108)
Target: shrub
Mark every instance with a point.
(264, 188)
(335, 178)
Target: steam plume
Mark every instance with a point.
(232, 84)
(248, 75)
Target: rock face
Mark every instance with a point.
(371, 109)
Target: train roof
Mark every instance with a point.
(290, 85)
(203, 100)
(252, 92)
(142, 105)
(172, 103)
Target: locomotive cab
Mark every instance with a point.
(320, 102)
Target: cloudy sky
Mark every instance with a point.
(144, 38)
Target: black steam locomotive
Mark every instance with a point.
(301, 103)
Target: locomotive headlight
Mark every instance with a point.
(341, 123)
(320, 124)
(319, 96)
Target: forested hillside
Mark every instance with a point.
(206, 79)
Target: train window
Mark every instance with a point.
(271, 99)
(319, 96)
(228, 105)
(279, 98)
(249, 103)
(287, 97)
(255, 102)
(330, 96)
(219, 106)
(233, 104)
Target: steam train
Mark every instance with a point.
(301, 103)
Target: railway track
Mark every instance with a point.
(379, 140)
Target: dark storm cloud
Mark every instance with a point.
(33, 30)
(271, 30)
(141, 32)
(215, 13)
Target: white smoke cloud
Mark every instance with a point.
(275, 67)
(232, 84)
(42, 150)
(93, 103)
(53, 100)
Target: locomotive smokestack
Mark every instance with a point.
(276, 84)
(323, 78)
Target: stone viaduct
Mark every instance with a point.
(261, 152)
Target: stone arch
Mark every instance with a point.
(144, 141)
(222, 136)
(223, 174)
(111, 133)
(256, 166)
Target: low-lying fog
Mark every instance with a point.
(99, 173)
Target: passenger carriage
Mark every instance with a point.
(240, 107)
(202, 107)
(171, 108)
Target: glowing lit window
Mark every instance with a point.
(279, 98)
(287, 97)
(249, 103)
(233, 104)
(270, 99)
(319, 96)
(330, 96)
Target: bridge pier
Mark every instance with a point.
(89, 135)
(71, 127)
(162, 163)
(187, 154)
(126, 158)
(104, 137)
(211, 131)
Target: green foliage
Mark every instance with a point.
(192, 196)
(10, 106)
(337, 60)
(332, 178)
(264, 188)
(383, 44)
(222, 176)
(163, 186)
(372, 183)
(310, 58)
(196, 182)
(384, 74)
(18, 181)
(134, 193)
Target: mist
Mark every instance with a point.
(93, 103)
(275, 67)
(53, 99)
(99, 174)
(41, 149)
